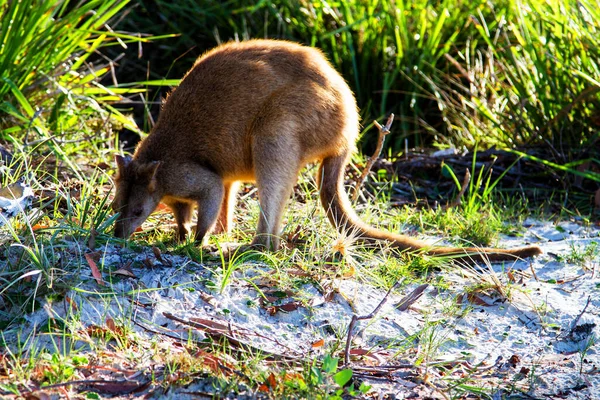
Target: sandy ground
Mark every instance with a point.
(537, 342)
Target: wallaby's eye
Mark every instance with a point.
(137, 212)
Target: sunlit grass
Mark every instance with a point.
(506, 73)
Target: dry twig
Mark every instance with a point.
(228, 334)
(356, 318)
(458, 200)
(383, 131)
(576, 320)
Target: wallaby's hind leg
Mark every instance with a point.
(225, 220)
(275, 181)
(183, 215)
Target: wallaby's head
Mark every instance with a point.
(136, 195)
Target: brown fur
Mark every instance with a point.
(256, 111)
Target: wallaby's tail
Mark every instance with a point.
(342, 216)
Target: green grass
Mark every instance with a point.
(509, 73)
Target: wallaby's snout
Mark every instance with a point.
(136, 194)
(121, 230)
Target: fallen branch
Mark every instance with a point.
(356, 318)
(133, 385)
(217, 333)
(576, 320)
(383, 131)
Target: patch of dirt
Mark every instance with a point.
(536, 338)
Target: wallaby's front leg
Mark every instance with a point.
(209, 204)
(195, 183)
(183, 215)
(225, 220)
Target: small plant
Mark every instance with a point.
(589, 343)
(582, 255)
(231, 260)
(56, 369)
(333, 382)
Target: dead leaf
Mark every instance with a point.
(163, 207)
(71, 303)
(318, 343)
(358, 352)
(124, 272)
(280, 294)
(524, 371)
(329, 295)
(293, 376)
(350, 272)
(271, 381)
(328, 291)
(288, 307)
(213, 326)
(157, 254)
(114, 328)
(207, 298)
(95, 271)
(264, 281)
(297, 271)
(514, 360)
(103, 165)
(38, 395)
(411, 298)
(263, 388)
(213, 362)
(96, 331)
(478, 301)
(271, 310)
(110, 324)
(38, 227)
(371, 357)
(270, 299)
(293, 239)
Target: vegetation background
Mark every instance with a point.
(506, 73)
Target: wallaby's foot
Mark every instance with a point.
(265, 242)
(182, 235)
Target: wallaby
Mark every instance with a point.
(256, 111)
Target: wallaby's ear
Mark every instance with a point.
(149, 170)
(122, 163)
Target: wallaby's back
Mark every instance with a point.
(233, 91)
